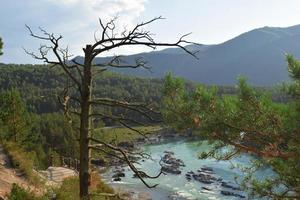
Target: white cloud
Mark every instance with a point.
(79, 27)
(75, 20)
(106, 9)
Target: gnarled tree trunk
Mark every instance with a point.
(85, 125)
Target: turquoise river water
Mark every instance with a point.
(177, 186)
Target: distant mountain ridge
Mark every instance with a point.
(258, 55)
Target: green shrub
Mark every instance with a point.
(69, 189)
(19, 193)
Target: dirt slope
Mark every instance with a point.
(8, 175)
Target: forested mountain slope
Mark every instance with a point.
(258, 55)
(39, 86)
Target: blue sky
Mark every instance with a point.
(210, 21)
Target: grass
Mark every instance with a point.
(69, 189)
(19, 193)
(24, 161)
(118, 135)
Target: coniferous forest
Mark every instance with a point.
(141, 110)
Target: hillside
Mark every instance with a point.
(39, 86)
(258, 54)
(9, 176)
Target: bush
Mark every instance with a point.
(19, 193)
(69, 189)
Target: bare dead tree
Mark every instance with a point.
(81, 78)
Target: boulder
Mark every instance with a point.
(203, 177)
(227, 185)
(207, 168)
(171, 164)
(206, 188)
(141, 140)
(171, 170)
(118, 174)
(126, 145)
(117, 179)
(228, 193)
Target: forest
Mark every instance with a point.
(35, 89)
(84, 122)
(33, 118)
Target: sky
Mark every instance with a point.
(210, 21)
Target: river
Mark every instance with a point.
(177, 186)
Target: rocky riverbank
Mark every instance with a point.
(163, 135)
(206, 177)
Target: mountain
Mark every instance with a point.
(258, 55)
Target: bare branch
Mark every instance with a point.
(140, 108)
(137, 36)
(138, 173)
(60, 54)
(81, 75)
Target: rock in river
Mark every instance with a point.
(170, 164)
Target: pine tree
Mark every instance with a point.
(251, 123)
(14, 116)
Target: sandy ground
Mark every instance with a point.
(55, 175)
(8, 175)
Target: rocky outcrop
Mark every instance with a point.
(126, 145)
(207, 176)
(118, 174)
(170, 164)
(171, 170)
(228, 193)
(227, 185)
(117, 179)
(203, 175)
